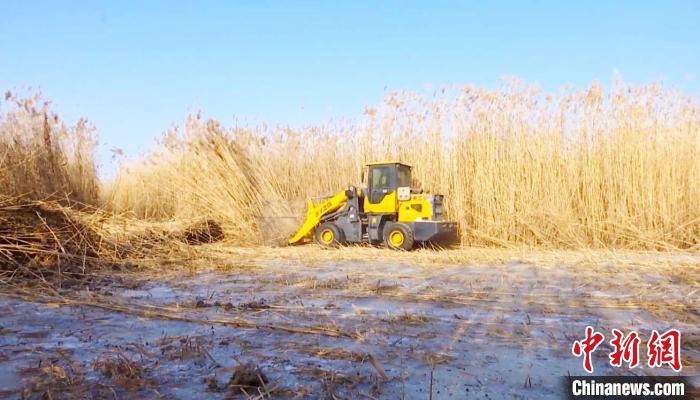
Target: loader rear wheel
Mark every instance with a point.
(329, 235)
(398, 236)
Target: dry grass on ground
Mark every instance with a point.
(226, 257)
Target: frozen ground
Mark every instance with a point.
(340, 330)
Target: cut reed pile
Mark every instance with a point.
(577, 169)
(45, 240)
(47, 173)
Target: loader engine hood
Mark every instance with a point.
(422, 207)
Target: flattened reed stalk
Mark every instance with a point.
(41, 157)
(45, 242)
(576, 169)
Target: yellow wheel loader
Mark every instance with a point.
(388, 210)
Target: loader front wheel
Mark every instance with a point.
(398, 236)
(329, 235)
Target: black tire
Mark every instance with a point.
(394, 230)
(321, 235)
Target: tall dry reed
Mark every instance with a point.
(41, 157)
(577, 169)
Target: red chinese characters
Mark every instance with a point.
(665, 349)
(587, 346)
(662, 349)
(624, 349)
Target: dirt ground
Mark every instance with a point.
(274, 328)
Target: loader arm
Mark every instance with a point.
(316, 211)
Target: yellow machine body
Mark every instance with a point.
(388, 205)
(387, 209)
(418, 208)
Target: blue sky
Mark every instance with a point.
(136, 69)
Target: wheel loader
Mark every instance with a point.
(386, 211)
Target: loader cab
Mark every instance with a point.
(382, 181)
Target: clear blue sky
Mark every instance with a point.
(135, 69)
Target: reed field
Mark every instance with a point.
(592, 168)
(578, 169)
(577, 208)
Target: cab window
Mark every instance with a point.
(380, 178)
(403, 176)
